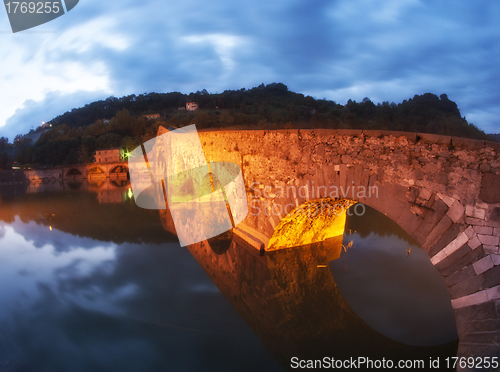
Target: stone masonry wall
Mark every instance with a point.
(444, 191)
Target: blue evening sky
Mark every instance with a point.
(387, 50)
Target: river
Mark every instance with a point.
(91, 282)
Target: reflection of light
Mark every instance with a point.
(50, 227)
(311, 222)
(130, 193)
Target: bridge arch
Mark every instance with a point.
(74, 172)
(119, 171)
(443, 191)
(96, 172)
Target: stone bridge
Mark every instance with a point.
(443, 191)
(113, 171)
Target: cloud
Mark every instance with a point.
(388, 50)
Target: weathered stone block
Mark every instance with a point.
(437, 232)
(349, 132)
(450, 235)
(450, 248)
(419, 238)
(476, 312)
(490, 189)
(492, 277)
(492, 223)
(460, 276)
(495, 215)
(431, 168)
(469, 300)
(373, 133)
(418, 174)
(346, 159)
(493, 293)
(456, 211)
(424, 194)
(483, 230)
(432, 218)
(399, 192)
(475, 212)
(488, 239)
(483, 325)
(411, 137)
(470, 232)
(467, 260)
(453, 257)
(474, 221)
(475, 351)
(496, 259)
(484, 168)
(496, 231)
(448, 200)
(409, 221)
(474, 242)
(467, 143)
(479, 339)
(434, 138)
(483, 265)
(490, 249)
(379, 200)
(394, 208)
(442, 178)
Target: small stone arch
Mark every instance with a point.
(119, 172)
(96, 172)
(73, 172)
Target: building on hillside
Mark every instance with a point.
(191, 106)
(152, 116)
(109, 155)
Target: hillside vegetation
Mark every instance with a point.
(119, 122)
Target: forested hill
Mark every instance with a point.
(114, 122)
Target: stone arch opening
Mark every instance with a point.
(74, 172)
(96, 172)
(311, 222)
(119, 172)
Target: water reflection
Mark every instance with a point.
(109, 289)
(71, 302)
(291, 300)
(391, 284)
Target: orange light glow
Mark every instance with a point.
(311, 222)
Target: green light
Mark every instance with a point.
(130, 193)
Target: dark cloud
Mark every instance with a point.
(388, 51)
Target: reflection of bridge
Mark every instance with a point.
(90, 171)
(291, 301)
(444, 191)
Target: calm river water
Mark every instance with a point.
(90, 282)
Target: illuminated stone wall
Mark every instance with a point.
(444, 191)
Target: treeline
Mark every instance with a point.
(118, 122)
